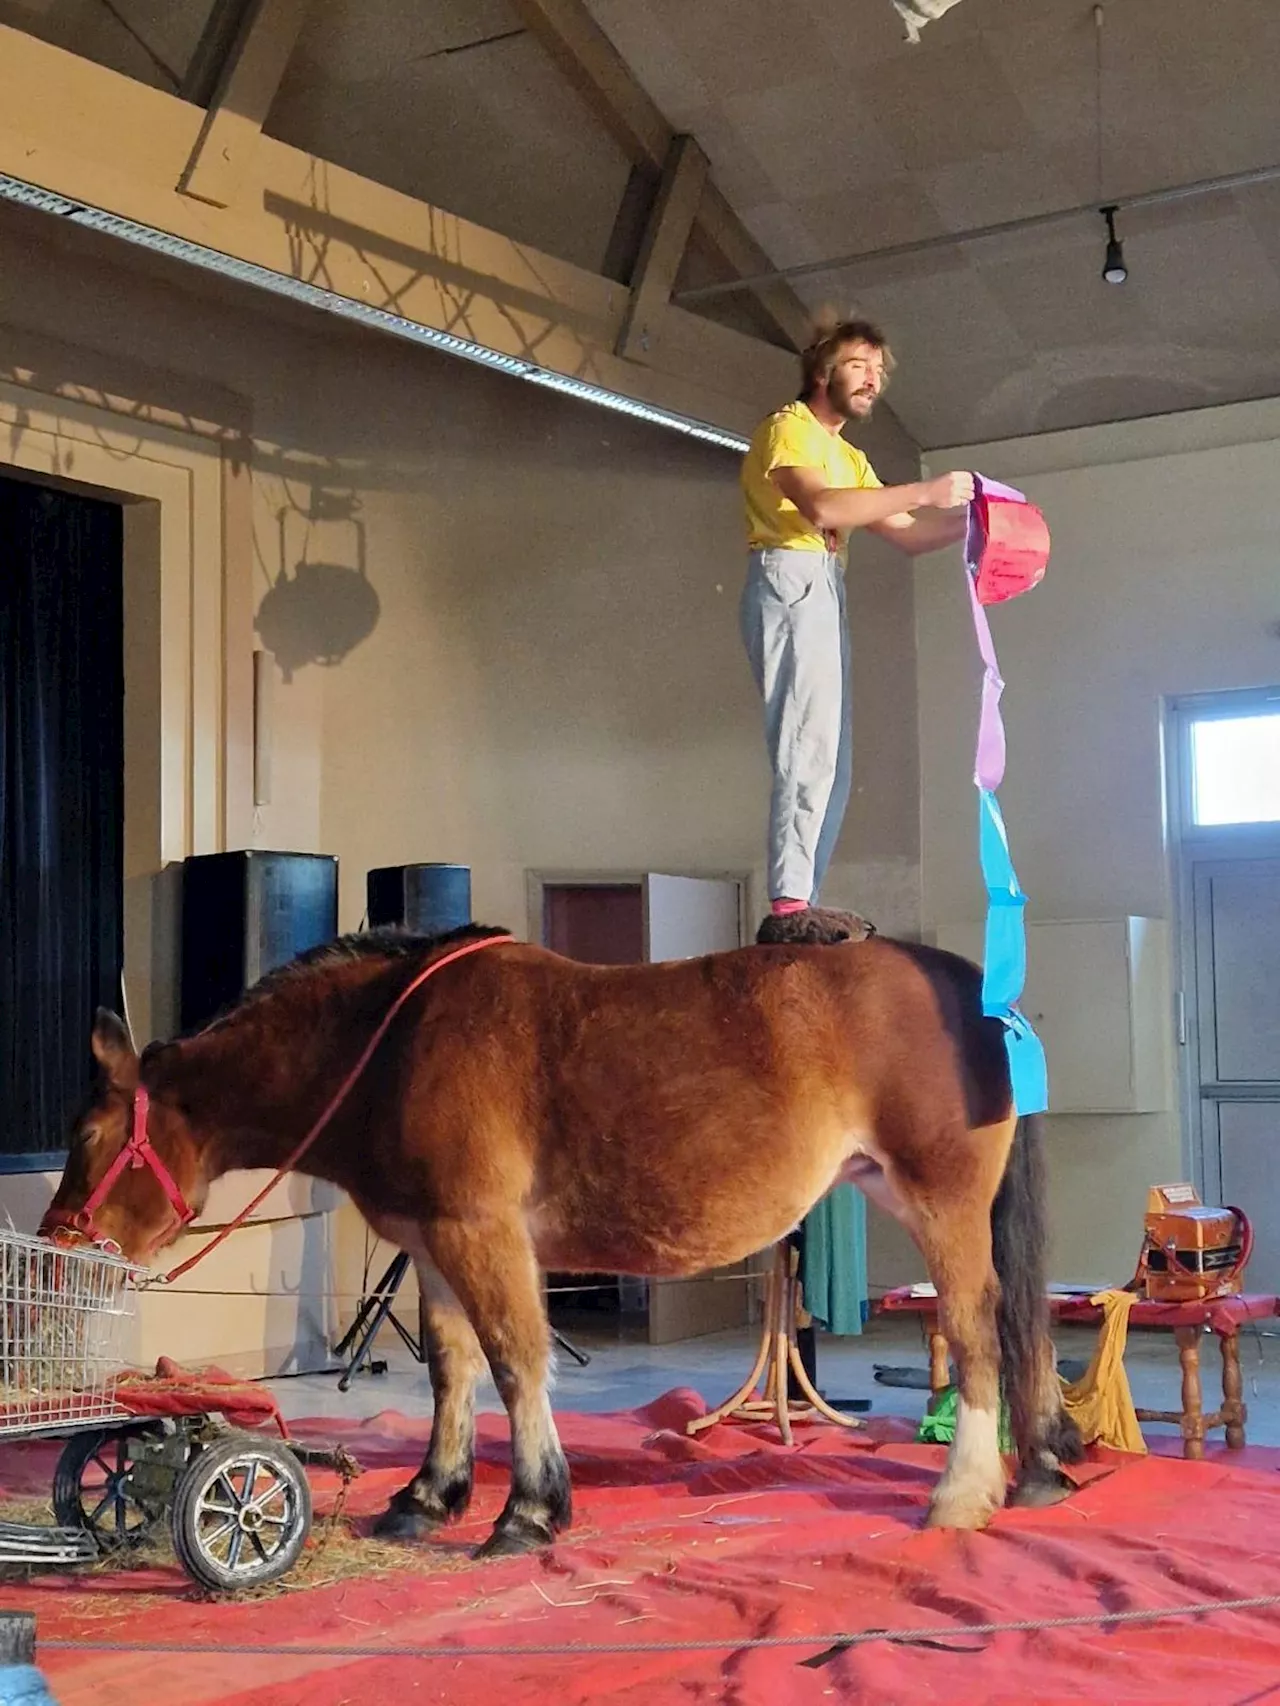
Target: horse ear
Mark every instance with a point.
(113, 1050)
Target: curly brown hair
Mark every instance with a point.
(830, 335)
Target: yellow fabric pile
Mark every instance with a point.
(1100, 1402)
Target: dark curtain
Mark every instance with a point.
(61, 802)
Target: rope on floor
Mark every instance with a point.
(852, 1638)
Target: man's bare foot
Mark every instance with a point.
(817, 924)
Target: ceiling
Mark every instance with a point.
(831, 135)
(838, 137)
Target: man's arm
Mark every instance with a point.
(887, 509)
(932, 530)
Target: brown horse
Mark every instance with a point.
(525, 1112)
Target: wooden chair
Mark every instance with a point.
(777, 1359)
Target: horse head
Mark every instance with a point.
(133, 1176)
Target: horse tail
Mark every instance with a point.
(1019, 1238)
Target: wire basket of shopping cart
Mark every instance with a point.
(63, 1318)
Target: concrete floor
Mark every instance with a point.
(625, 1373)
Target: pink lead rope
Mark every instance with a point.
(335, 1102)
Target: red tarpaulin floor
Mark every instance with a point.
(729, 1536)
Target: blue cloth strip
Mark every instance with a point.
(1004, 972)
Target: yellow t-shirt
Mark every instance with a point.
(794, 438)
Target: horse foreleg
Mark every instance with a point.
(491, 1266)
(441, 1490)
(958, 1252)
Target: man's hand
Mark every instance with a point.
(950, 491)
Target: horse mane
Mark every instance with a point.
(387, 944)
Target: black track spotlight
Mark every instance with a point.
(1113, 267)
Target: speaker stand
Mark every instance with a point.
(377, 1307)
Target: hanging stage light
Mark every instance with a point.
(1113, 267)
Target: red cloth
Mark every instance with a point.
(175, 1391)
(170, 1391)
(729, 1535)
(1225, 1315)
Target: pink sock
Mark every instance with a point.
(783, 908)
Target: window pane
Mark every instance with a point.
(1236, 769)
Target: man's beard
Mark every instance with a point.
(856, 406)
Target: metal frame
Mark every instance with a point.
(1191, 846)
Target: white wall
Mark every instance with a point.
(556, 680)
(1163, 581)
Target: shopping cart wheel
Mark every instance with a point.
(93, 1488)
(241, 1513)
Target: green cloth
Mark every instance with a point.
(939, 1426)
(834, 1267)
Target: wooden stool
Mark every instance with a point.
(1191, 1418)
(778, 1355)
(1188, 1322)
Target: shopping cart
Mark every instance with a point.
(237, 1502)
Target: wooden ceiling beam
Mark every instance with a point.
(610, 89)
(684, 179)
(105, 141)
(212, 53)
(248, 49)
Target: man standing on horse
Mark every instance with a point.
(806, 489)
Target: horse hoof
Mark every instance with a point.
(406, 1525)
(511, 1539)
(1039, 1491)
(961, 1511)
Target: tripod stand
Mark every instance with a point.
(377, 1308)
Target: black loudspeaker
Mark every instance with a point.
(428, 899)
(245, 913)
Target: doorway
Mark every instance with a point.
(61, 805)
(601, 924)
(1227, 808)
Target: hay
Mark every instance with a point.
(39, 1510)
(334, 1553)
(337, 1554)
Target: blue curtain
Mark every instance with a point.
(61, 803)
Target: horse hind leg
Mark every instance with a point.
(1053, 1440)
(957, 1248)
(490, 1263)
(441, 1490)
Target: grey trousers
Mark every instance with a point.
(797, 638)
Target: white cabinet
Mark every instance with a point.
(1098, 994)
